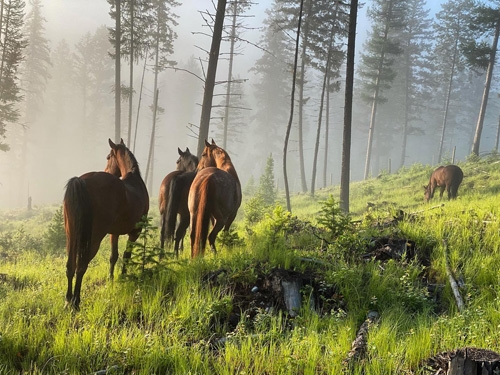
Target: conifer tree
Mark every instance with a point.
(377, 61)
(451, 31)
(12, 44)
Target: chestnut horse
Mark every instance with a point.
(173, 199)
(98, 203)
(449, 178)
(215, 195)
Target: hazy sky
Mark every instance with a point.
(71, 19)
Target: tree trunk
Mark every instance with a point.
(149, 168)
(327, 131)
(349, 85)
(213, 59)
(318, 131)
(229, 75)
(118, 36)
(292, 99)
(301, 100)
(140, 100)
(148, 178)
(375, 99)
(447, 100)
(131, 74)
(484, 102)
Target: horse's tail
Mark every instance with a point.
(201, 218)
(78, 221)
(163, 209)
(172, 209)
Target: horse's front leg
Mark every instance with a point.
(127, 254)
(114, 254)
(441, 192)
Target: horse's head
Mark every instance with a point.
(212, 156)
(427, 193)
(187, 162)
(120, 159)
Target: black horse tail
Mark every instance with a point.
(172, 209)
(200, 218)
(78, 223)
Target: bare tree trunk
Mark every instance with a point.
(407, 107)
(301, 100)
(131, 74)
(140, 100)
(118, 36)
(292, 99)
(487, 85)
(346, 140)
(230, 74)
(150, 166)
(213, 59)
(318, 132)
(447, 100)
(327, 130)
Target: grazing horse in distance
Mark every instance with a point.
(173, 199)
(445, 177)
(215, 195)
(98, 203)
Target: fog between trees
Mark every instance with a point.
(65, 121)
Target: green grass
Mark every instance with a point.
(177, 322)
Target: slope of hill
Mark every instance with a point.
(286, 294)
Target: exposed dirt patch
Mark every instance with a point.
(266, 293)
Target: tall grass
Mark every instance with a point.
(178, 321)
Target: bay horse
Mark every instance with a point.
(98, 203)
(173, 199)
(215, 195)
(445, 177)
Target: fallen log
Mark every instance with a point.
(453, 282)
(359, 345)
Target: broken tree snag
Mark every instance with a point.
(291, 295)
(358, 346)
(453, 283)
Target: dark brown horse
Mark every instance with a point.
(98, 203)
(173, 199)
(449, 177)
(215, 195)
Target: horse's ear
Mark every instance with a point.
(179, 151)
(213, 142)
(111, 144)
(121, 141)
(187, 151)
(206, 143)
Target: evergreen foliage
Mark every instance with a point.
(55, 236)
(12, 43)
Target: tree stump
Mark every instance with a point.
(465, 361)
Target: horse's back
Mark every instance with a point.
(452, 175)
(116, 207)
(224, 188)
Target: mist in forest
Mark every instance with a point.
(68, 135)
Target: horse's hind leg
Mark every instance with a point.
(181, 232)
(114, 254)
(70, 273)
(80, 271)
(213, 234)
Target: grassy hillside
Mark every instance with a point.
(224, 314)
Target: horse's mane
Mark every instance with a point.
(131, 160)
